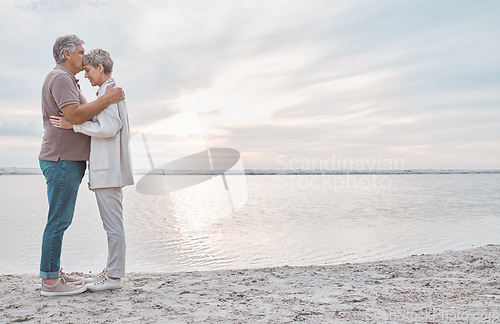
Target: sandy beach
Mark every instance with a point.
(450, 287)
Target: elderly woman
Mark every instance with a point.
(109, 166)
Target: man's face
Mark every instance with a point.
(75, 58)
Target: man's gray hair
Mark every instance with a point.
(99, 56)
(63, 43)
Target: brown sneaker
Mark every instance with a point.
(70, 280)
(61, 288)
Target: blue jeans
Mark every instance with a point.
(63, 181)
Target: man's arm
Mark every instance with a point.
(108, 124)
(77, 114)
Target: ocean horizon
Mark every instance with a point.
(160, 171)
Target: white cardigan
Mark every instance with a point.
(110, 163)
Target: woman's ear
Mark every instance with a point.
(100, 68)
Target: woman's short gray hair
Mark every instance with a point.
(63, 43)
(99, 56)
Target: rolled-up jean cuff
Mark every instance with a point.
(49, 275)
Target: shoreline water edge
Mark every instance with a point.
(159, 171)
(450, 287)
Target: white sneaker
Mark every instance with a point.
(105, 283)
(97, 277)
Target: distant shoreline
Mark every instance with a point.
(36, 171)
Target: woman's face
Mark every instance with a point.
(94, 75)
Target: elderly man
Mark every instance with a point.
(63, 156)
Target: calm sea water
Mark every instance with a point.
(273, 221)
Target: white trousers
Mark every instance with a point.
(109, 201)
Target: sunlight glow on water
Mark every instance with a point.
(287, 220)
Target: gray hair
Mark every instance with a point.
(99, 56)
(63, 43)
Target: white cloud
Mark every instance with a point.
(305, 79)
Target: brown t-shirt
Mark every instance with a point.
(61, 89)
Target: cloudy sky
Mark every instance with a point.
(289, 84)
